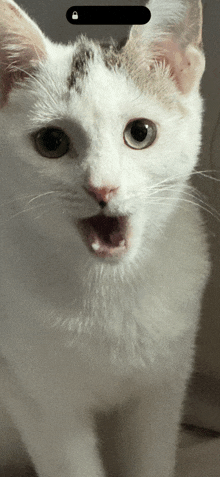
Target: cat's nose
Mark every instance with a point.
(102, 194)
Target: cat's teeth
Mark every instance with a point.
(95, 246)
(122, 243)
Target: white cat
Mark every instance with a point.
(103, 253)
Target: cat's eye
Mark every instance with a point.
(51, 142)
(140, 133)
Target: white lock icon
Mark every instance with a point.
(75, 16)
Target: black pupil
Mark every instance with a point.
(52, 139)
(139, 131)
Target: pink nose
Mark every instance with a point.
(102, 194)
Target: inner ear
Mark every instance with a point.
(186, 65)
(22, 46)
(172, 38)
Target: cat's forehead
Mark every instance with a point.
(91, 78)
(99, 69)
(105, 63)
(83, 78)
(102, 65)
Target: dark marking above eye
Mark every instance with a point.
(80, 66)
(84, 55)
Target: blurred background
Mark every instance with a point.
(203, 403)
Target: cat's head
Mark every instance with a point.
(97, 140)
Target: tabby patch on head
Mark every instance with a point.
(84, 56)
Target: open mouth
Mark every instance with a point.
(105, 236)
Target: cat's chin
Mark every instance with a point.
(106, 237)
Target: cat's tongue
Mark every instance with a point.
(106, 236)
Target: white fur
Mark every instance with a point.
(80, 336)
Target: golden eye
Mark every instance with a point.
(51, 142)
(140, 133)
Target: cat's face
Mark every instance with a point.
(98, 158)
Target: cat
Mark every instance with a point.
(104, 256)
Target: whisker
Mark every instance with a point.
(170, 179)
(183, 192)
(22, 197)
(145, 195)
(25, 210)
(43, 195)
(195, 193)
(35, 79)
(172, 188)
(202, 173)
(216, 215)
(26, 196)
(195, 172)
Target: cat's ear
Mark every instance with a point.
(22, 46)
(173, 36)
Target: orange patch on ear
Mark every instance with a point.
(15, 10)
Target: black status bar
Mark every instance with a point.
(108, 15)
